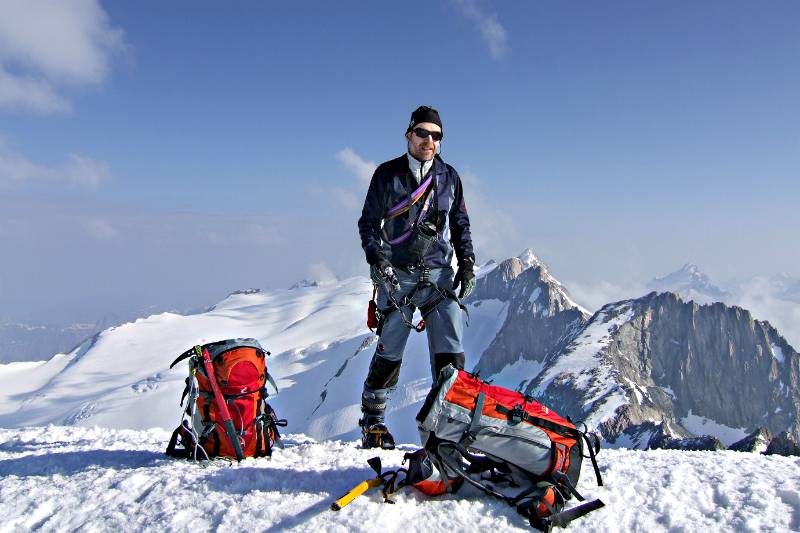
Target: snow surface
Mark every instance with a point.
(535, 295)
(582, 364)
(518, 374)
(700, 425)
(73, 478)
(486, 317)
(777, 352)
(669, 391)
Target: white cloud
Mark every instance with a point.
(262, 234)
(49, 43)
(341, 196)
(593, 296)
(78, 170)
(321, 273)
(356, 164)
(28, 93)
(351, 196)
(487, 24)
(236, 233)
(101, 230)
(346, 198)
(758, 295)
(494, 233)
(84, 172)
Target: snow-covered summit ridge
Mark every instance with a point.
(691, 283)
(539, 315)
(529, 259)
(521, 325)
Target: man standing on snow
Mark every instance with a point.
(414, 219)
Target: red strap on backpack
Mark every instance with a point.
(222, 406)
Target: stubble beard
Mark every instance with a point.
(421, 155)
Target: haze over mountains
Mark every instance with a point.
(775, 298)
(26, 340)
(654, 363)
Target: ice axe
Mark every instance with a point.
(364, 486)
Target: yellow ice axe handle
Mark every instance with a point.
(357, 491)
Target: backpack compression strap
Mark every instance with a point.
(518, 414)
(560, 519)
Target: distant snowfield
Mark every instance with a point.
(321, 350)
(75, 478)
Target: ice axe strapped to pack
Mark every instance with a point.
(226, 413)
(507, 445)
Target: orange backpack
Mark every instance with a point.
(530, 455)
(226, 413)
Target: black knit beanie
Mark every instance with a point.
(424, 114)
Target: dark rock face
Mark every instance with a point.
(248, 291)
(756, 442)
(658, 358)
(540, 317)
(303, 283)
(705, 443)
(719, 362)
(667, 437)
(784, 444)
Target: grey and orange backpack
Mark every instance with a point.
(501, 442)
(225, 409)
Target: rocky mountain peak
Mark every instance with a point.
(529, 259)
(703, 369)
(539, 314)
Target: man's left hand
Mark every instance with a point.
(465, 277)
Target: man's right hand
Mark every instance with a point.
(382, 272)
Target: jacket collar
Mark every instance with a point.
(439, 166)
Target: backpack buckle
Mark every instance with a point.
(517, 414)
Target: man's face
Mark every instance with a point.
(423, 149)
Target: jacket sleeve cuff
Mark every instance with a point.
(374, 259)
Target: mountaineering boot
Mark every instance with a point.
(376, 436)
(382, 376)
(374, 433)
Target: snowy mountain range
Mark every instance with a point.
(774, 298)
(691, 284)
(658, 362)
(34, 342)
(23, 340)
(633, 367)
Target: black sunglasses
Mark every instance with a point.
(422, 133)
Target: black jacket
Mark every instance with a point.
(389, 187)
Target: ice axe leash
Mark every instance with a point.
(219, 400)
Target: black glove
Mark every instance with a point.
(382, 272)
(465, 277)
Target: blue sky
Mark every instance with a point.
(167, 153)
